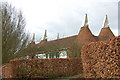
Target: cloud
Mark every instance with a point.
(66, 16)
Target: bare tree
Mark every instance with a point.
(14, 37)
(0, 35)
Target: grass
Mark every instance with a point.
(75, 76)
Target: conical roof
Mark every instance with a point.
(85, 35)
(105, 32)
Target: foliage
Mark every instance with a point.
(14, 37)
(46, 68)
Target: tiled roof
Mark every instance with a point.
(63, 42)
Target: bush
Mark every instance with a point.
(46, 68)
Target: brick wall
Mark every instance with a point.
(46, 68)
(102, 59)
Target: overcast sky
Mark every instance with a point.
(66, 16)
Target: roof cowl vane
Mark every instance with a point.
(33, 38)
(106, 23)
(45, 35)
(86, 20)
(58, 36)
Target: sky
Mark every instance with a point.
(66, 16)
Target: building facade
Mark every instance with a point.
(84, 36)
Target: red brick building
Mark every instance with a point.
(84, 36)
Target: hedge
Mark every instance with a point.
(46, 68)
(102, 59)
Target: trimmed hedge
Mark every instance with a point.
(6, 71)
(46, 68)
(102, 59)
